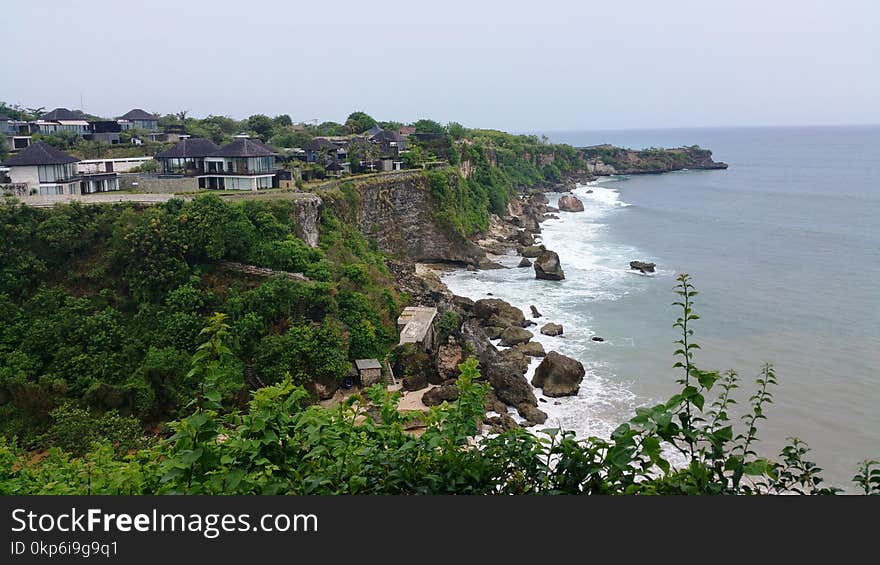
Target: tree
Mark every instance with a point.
(282, 120)
(428, 126)
(359, 122)
(456, 130)
(262, 125)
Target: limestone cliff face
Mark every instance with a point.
(607, 159)
(306, 212)
(399, 211)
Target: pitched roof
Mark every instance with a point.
(60, 114)
(4, 117)
(137, 114)
(388, 136)
(244, 147)
(374, 130)
(40, 153)
(364, 364)
(190, 147)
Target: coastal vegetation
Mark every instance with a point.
(279, 444)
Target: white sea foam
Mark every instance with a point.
(596, 270)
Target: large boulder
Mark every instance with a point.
(558, 375)
(415, 382)
(514, 336)
(524, 238)
(516, 357)
(642, 266)
(531, 349)
(532, 414)
(524, 262)
(511, 387)
(552, 329)
(448, 358)
(535, 313)
(440, 394)
(547, 267)
(570, 203)
(496, 312)
(412, 362)
(532, 251)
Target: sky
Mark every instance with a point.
(540, 65)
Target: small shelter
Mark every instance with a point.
(369, 371)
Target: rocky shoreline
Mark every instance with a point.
(488, 319)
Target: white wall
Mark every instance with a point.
(28, 175)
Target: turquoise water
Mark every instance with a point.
(784, 248)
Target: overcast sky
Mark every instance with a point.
(520, 66)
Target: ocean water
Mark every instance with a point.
(784, 248)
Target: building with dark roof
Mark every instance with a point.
(42, 169)
(141, 119)
(60, 114)
(243, 164)
(186, 157)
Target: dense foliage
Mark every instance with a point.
(282, 445)
(102, 307)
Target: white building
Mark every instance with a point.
(42, 169)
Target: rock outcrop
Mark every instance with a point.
(551, 329)
(535, 313)
(514, 336)
(570, 203)
(524, 262)
(642, 266)
(496, 312)
(438, 395)
(400, 212)
(558, 375)
(532, 349)
(306, 215)
(532, 251)
(547, 267)
(449, 357)
(532, 414)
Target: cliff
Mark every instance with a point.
(608, 159)
(400, 212)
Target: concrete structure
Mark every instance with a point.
(140, 119)
(120, 165)
(416, 325)
(244, 164)
(369, 371)
(41, 169)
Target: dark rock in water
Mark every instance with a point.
(642, 266)
(535, 313)
(511, 387)
(438, 395)
(544, 400)
(590, 191)
(514, 336)
(471, 268)
(531, 413)
(547, 267)
(496, 312)
(558, 375)
(524, 262)
(489, 294)
(551, 209)
(570, 203)
(530, 323)
(532, 349)
(551, 329)
(524, 238)
(551, 217)
(557, 403)
(532, 251)
(597, 338)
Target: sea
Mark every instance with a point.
(784, 249)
